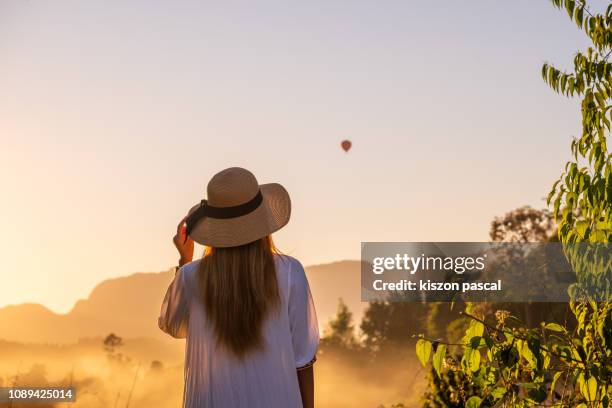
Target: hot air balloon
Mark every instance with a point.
(346, 145)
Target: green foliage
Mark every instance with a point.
(507, 363)
(581, 197)
(339, 337)
(423, 351)
(473, 402)
(341, 331)
(449, 389)
(524, 224)
(389, 325)
(438, 358)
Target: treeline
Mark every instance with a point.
(388, 325)
(389, 331)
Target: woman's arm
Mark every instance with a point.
(306, 381)
(174, 315)
(304, 331)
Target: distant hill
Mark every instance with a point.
(129, 306)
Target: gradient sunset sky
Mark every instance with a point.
(114, 115)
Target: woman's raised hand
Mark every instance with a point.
(183, 243)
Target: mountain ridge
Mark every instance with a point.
(129, 305)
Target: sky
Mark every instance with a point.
(115, 114)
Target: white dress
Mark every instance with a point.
(214, 378)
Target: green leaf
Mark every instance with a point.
(526, 353)
(554, 382)
(555, 327)
(473, 402)
(569, 6)
(474, 360)
(475, 342)
(438, 358)
(589, 389)
(476, 329)
(578, 16)
(423, 351)
(581, 228)
(498, 392)
(570, 87)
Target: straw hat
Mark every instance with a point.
(239, 210)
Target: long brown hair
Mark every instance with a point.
(239, 290)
